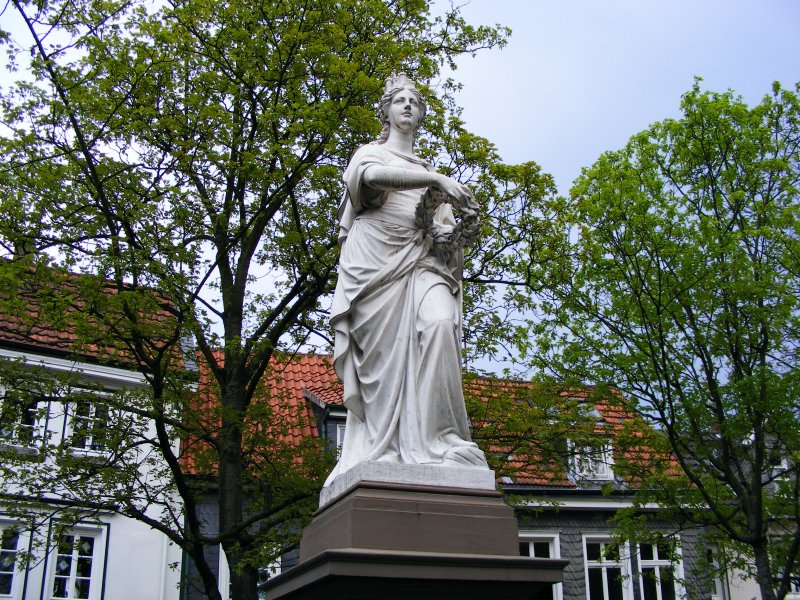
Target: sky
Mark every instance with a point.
(580, 77)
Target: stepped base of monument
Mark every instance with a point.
(358, 574)
(389, 541)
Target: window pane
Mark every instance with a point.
(541, 549)
(667, 584)
(99, 427)
(614, 583)
(593, 550)
(6, 579)
(86, 547)
(649, 583)
(80, 426)
(65, 544)
(595, 584)
(82, 588)
(60, 587)
(611, 552)
(63, 565)
(524, 549)
(646, 551)
(84, 567)
(664, 551)
(10, 538)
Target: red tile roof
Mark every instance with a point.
(280, 413)
(524, 471)
(330, 395)
(49, 310)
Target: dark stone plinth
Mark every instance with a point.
(355, 574)
(391, 541)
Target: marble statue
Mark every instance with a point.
(397, 307)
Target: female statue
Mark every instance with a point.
(397, 307)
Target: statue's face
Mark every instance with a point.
(405, 110)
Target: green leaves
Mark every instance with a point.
(196, 148)
(679, 287)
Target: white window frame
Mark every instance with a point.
(17, 575)
(658, 564)
(36, 427)
(719, 581)
(341, 430)
(591, 463)
(603, 564)
(94, 399)
(553, 540)
(98, 568)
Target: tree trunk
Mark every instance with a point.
(764, 572)
(244, 582)
(210, 581)
(243, 578)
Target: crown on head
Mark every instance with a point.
(395, 81)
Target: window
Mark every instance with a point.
(74, 572)
(607, 570)
(541, 545)
(19, 415)
(591, 462)
(89, 423)
(794, 587)
(657, 572)
(538, 545)
(9, 538)
(340, 431)
(713, 584)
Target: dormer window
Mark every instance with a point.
(592, 463)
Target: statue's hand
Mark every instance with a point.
(458, 191)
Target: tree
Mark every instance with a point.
(189, 156)
(676, 282)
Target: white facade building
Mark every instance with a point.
(103, 556)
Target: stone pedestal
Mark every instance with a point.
(382, 540)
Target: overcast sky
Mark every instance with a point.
(579, 77)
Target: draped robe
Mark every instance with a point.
(396, 317)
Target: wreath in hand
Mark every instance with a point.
(444, 237)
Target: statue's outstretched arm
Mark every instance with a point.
(387, 179)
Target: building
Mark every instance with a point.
(64, 473)
(565, 509)
(294, 421)
(56, 400)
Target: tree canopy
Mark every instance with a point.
(676, 281)
(189, 153)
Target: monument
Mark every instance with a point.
(411, 507)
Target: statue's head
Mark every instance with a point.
(394, 84)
